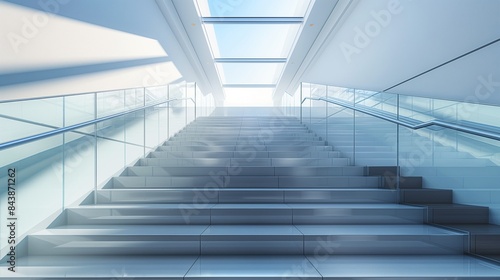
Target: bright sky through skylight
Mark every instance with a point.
(248, 97)
(250, 41)
(253, 8)
(249, 73)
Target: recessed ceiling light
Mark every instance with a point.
(311, 25)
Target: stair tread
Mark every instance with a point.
(109, 267)
(129, 230)
(253, 189)
(450, 206)
(485, 229)
(132, 228)
(246, 230)
(269, 267)
(247, 206)
(353, 230)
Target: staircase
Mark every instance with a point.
(247, 198)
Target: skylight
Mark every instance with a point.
(251, 40)
(253, 8)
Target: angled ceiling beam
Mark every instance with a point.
(184, 21)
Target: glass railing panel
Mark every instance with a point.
(385, 102)
(446, 159)
(135, 98)
(111, 144)
(135, 136)
(155, 94)
(341, 93)
(22, 119)
(306, 104)
(66, 167)
(444, 110)
(341, 130)
(177, 111)
(190, 105)
(296, 103)
(375, 141)
(478, 113)
(176, 117)
(162, 123)
(79, 164)
(79, 108)
(110, 102)
(365, 97)
(319, 111)
(152, 127)
(416, 108)
(36, 186)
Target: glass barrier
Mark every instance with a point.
(356, 124)
(58, 171)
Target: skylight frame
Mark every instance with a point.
(292, 17)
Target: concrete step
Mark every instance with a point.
(241, 214)
(265, 267)
(244, 195)
(249, 161)
(246, 148)
(220, 180)
(242, 154)
(183, 137)
(202, 142)
(444, 214)
(244, 171)
(246, 240)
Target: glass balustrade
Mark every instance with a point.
(55, 172)
(381, 129)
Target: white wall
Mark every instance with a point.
(382, 43)
(55, 47)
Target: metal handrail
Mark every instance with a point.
(55, 132)
(445, 124)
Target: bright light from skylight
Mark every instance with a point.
(251, 41)
(248, 97)
(253, 8)
(249, 73)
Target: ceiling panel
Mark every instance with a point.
(379, 46)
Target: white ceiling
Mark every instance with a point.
(420, 36)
